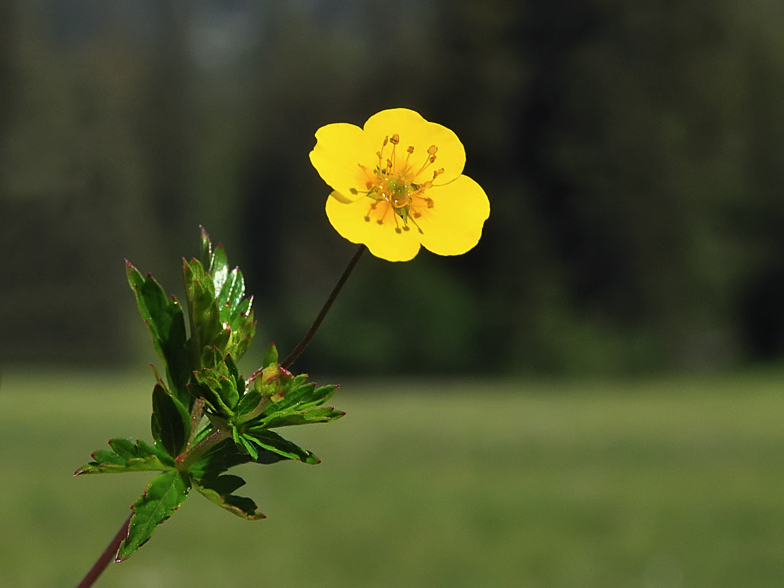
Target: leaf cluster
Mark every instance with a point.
(207, 418)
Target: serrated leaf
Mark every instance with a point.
(290, 418)
(171, 421)
(220, 491)
(127, 456)
(164, 319)
(299, 405)
(218, 267)
(230, 294)
(271, 441)
(164, 495)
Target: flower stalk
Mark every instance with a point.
(324, 309)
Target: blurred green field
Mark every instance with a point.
(661, 483)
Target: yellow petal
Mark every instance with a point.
(339, 150)
(420, 134)
(454, 224)
(381, 240)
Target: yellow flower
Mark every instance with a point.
(398, 184)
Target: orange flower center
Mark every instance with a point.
(395, 188)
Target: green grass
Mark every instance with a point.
(663, 483)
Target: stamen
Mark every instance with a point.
(409, 151)
(432, 157)
(416, 215)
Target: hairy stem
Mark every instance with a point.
(324, 309)
(188, 458)
(107, 556)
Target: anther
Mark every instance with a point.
(432, 150)
(398, 231)
(406, 228)
(395, 139)
(367, 218)
(353, 191)
(410, 149)
(380, 221)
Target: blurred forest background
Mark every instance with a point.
(632, 150)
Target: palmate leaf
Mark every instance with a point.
(228, 292)
(164, 494)
(221, 386)
(301, 403)
(207, 478)
(127, 456)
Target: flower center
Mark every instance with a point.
(395, 186)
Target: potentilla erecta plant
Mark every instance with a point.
(397, 186)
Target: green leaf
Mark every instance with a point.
(218, 267)
(163, 496)
(171, 422)
(220, 491)
(271, 356)
(221, 386)
(127, 456)
(230, 294)
(202, 309)
(164, 319)
(206, 476)
(271, 441)
(300, 404)
(206, 248)
(248, 403)
(289, 418)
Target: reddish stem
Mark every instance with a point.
(107, 556)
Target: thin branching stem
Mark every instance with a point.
(324, 309)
